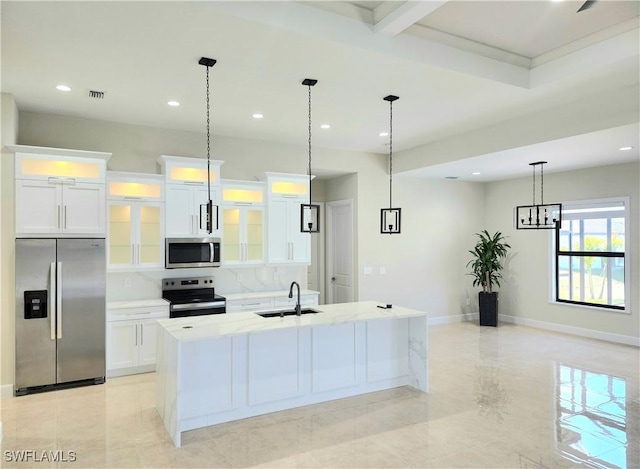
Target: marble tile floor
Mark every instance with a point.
(506, 397)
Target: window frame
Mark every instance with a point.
(556, 253)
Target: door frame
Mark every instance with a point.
(329, 246)
(318, 256)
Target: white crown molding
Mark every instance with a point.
(587, 41)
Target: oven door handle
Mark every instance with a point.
(209, 304)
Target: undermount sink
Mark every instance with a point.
(277, 314)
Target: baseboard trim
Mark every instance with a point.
(590, 333)
(6, 391)
(452, 319)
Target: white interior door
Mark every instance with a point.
(339, 251)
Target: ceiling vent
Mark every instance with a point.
(96, 94)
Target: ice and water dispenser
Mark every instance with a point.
(35, 304)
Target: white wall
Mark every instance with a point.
(426, 263)
(526, 293)
(9, 125)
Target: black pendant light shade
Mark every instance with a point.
(309, 213)
(538, 216)
(208, 211)
(390, 217)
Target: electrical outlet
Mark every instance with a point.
(239, 277)
(276, 276)
(127, 282)
(468, 301)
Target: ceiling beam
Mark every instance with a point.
(403, 16)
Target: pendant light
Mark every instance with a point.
(207, 210)
(538, 216)
(390, 217)
(309, 213)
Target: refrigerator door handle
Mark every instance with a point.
(59, 299)
(52, 295)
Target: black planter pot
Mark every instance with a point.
(488, 303)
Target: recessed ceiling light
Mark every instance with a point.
(625, 148)
(173, 103)
(475, 173)
(384, 134)
(325, 126)
(257, 115)
(63, 88)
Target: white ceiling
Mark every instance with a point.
(457, 66)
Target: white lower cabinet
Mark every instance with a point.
(269, 300)
(249, 304)
(132, 336)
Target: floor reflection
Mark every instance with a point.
(491, 397)
(591, 417)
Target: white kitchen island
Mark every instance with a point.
(214, 369)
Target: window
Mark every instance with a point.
(590, 254)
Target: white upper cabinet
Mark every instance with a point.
(242, 223)
(286, 243)
(187, 194)
(135, 221)
(59, 192)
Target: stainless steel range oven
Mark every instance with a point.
(192, 297)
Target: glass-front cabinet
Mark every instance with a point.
(188, 190)
(136, 221)
(242, 223)
(286, 243)
(59, 192)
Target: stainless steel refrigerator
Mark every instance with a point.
(60, 313)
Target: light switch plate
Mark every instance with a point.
(383, 270)
(367, 270)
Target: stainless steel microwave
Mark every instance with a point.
(183, 253)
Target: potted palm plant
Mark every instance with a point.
(485, 268)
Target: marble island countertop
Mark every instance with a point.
(219, 325)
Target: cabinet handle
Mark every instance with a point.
(65, 217)
(60, 180)
(58, 225)
(193, 183)
(133, 254)
(141, 334)
(131, 197)
(136, 334)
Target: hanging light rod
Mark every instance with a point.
(538, 216)
(390, 217)
(208, 208)
(309, 213)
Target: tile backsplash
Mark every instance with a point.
(122, 286)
